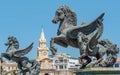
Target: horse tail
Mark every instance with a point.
(111, 51)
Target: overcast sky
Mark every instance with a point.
(24, 19)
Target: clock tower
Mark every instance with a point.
(42, 50)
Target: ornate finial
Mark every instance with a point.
(42, 37)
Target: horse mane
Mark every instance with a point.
(70, 15)
(13, 41)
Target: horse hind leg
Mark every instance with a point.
(85, 59)
(82, 44)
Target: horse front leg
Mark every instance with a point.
(52, 47)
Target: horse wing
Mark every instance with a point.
(94, 40)
(86, 29)
(23, 52)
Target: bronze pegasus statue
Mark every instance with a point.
(13, 53)
(85, 37)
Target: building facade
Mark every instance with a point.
(8, 68)
(64, 62)
(73, 63)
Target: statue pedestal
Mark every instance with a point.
(99, 71)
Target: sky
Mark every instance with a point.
(25, 19)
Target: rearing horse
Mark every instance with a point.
(71, 34)
(15, 54)
(83, 37)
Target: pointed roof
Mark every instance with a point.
(42, 37)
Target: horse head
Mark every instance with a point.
(64, 12)
(12, 43)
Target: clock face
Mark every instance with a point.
(44, 53)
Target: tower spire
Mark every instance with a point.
(42, 51)
(42, 37)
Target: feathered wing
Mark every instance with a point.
(94, 39)
(86, 29)
(23, 52)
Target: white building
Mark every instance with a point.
(73, 63)
(64, 62)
